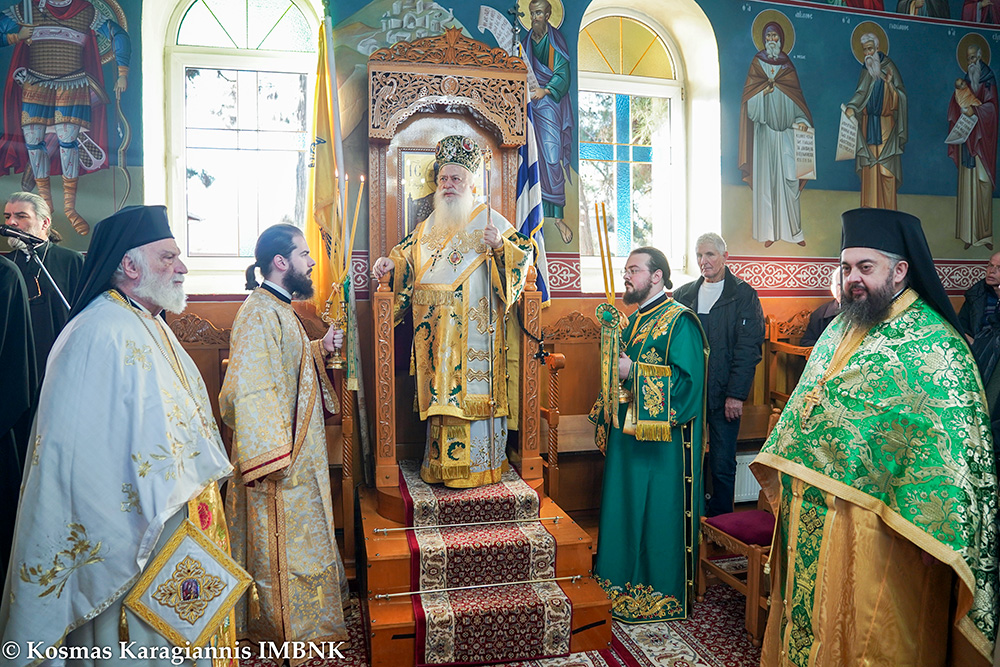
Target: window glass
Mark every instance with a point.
(245, 154)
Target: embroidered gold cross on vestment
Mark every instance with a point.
(812, 398)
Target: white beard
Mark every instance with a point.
(452, 215)
(772, 49)
(17, 244)
(166, 294)
(874, 66)
(975, 71)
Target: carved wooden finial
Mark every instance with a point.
(383, 284)
(530, 282)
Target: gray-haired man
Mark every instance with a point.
(29, 213)
(733, 320)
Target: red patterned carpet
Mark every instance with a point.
(713, 636)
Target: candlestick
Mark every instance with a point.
(610, 265)
(604, 257)
(354, 228)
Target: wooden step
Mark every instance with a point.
(392, 632)
(388, 556)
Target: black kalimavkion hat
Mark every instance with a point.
(114, 236)
(900, 234)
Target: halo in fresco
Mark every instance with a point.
(773, 16)
(555, 19)
(962, 52)
(868, 26)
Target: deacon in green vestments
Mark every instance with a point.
(881, 475)
(654, 442)
(29, 213)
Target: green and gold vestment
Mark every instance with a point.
(886, 498)
(652, 497)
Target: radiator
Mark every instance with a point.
(747, 488)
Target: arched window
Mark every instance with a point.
(632, 142)
(239, 79)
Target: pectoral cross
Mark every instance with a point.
(436, 255)
(812, 399)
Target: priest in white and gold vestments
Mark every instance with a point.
(440, 271)
(124, 449)
(280, 508)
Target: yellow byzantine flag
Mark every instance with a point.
(324, 226)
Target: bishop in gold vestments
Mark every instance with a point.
(440, 272)
(280, 507)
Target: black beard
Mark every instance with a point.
(299, 284)
(636, 296)
(870, 311)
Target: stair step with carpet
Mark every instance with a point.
(526, 616)
(393, 632)
(388, 556)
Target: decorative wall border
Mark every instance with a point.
(770, 276)
(564, 274)
(809, 276)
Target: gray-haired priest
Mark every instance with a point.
(123, 463)
(440, 271)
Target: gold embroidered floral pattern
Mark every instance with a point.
(465, 241)
(171, 461)
(143, 466)
(187, 417)
(640, 602)
(189, 590)
(653, 399)
(131, 499)
(651, 356)
(480, 314)
(80, 552)
(136, 356)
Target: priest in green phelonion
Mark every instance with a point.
(651, 429)
(881, 474)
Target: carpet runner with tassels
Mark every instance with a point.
(482, 625)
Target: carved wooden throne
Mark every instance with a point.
(419, 92)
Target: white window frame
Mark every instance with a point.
(674, 239)
(206, 275)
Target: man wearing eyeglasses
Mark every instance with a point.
(730, 312)
(651, 432)
(29, 213)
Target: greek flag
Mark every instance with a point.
(529, 205)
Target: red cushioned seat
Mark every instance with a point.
(751, 527)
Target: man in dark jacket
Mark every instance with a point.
(822, 316)
(981, 300)
(733, 320)
(29, 213)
